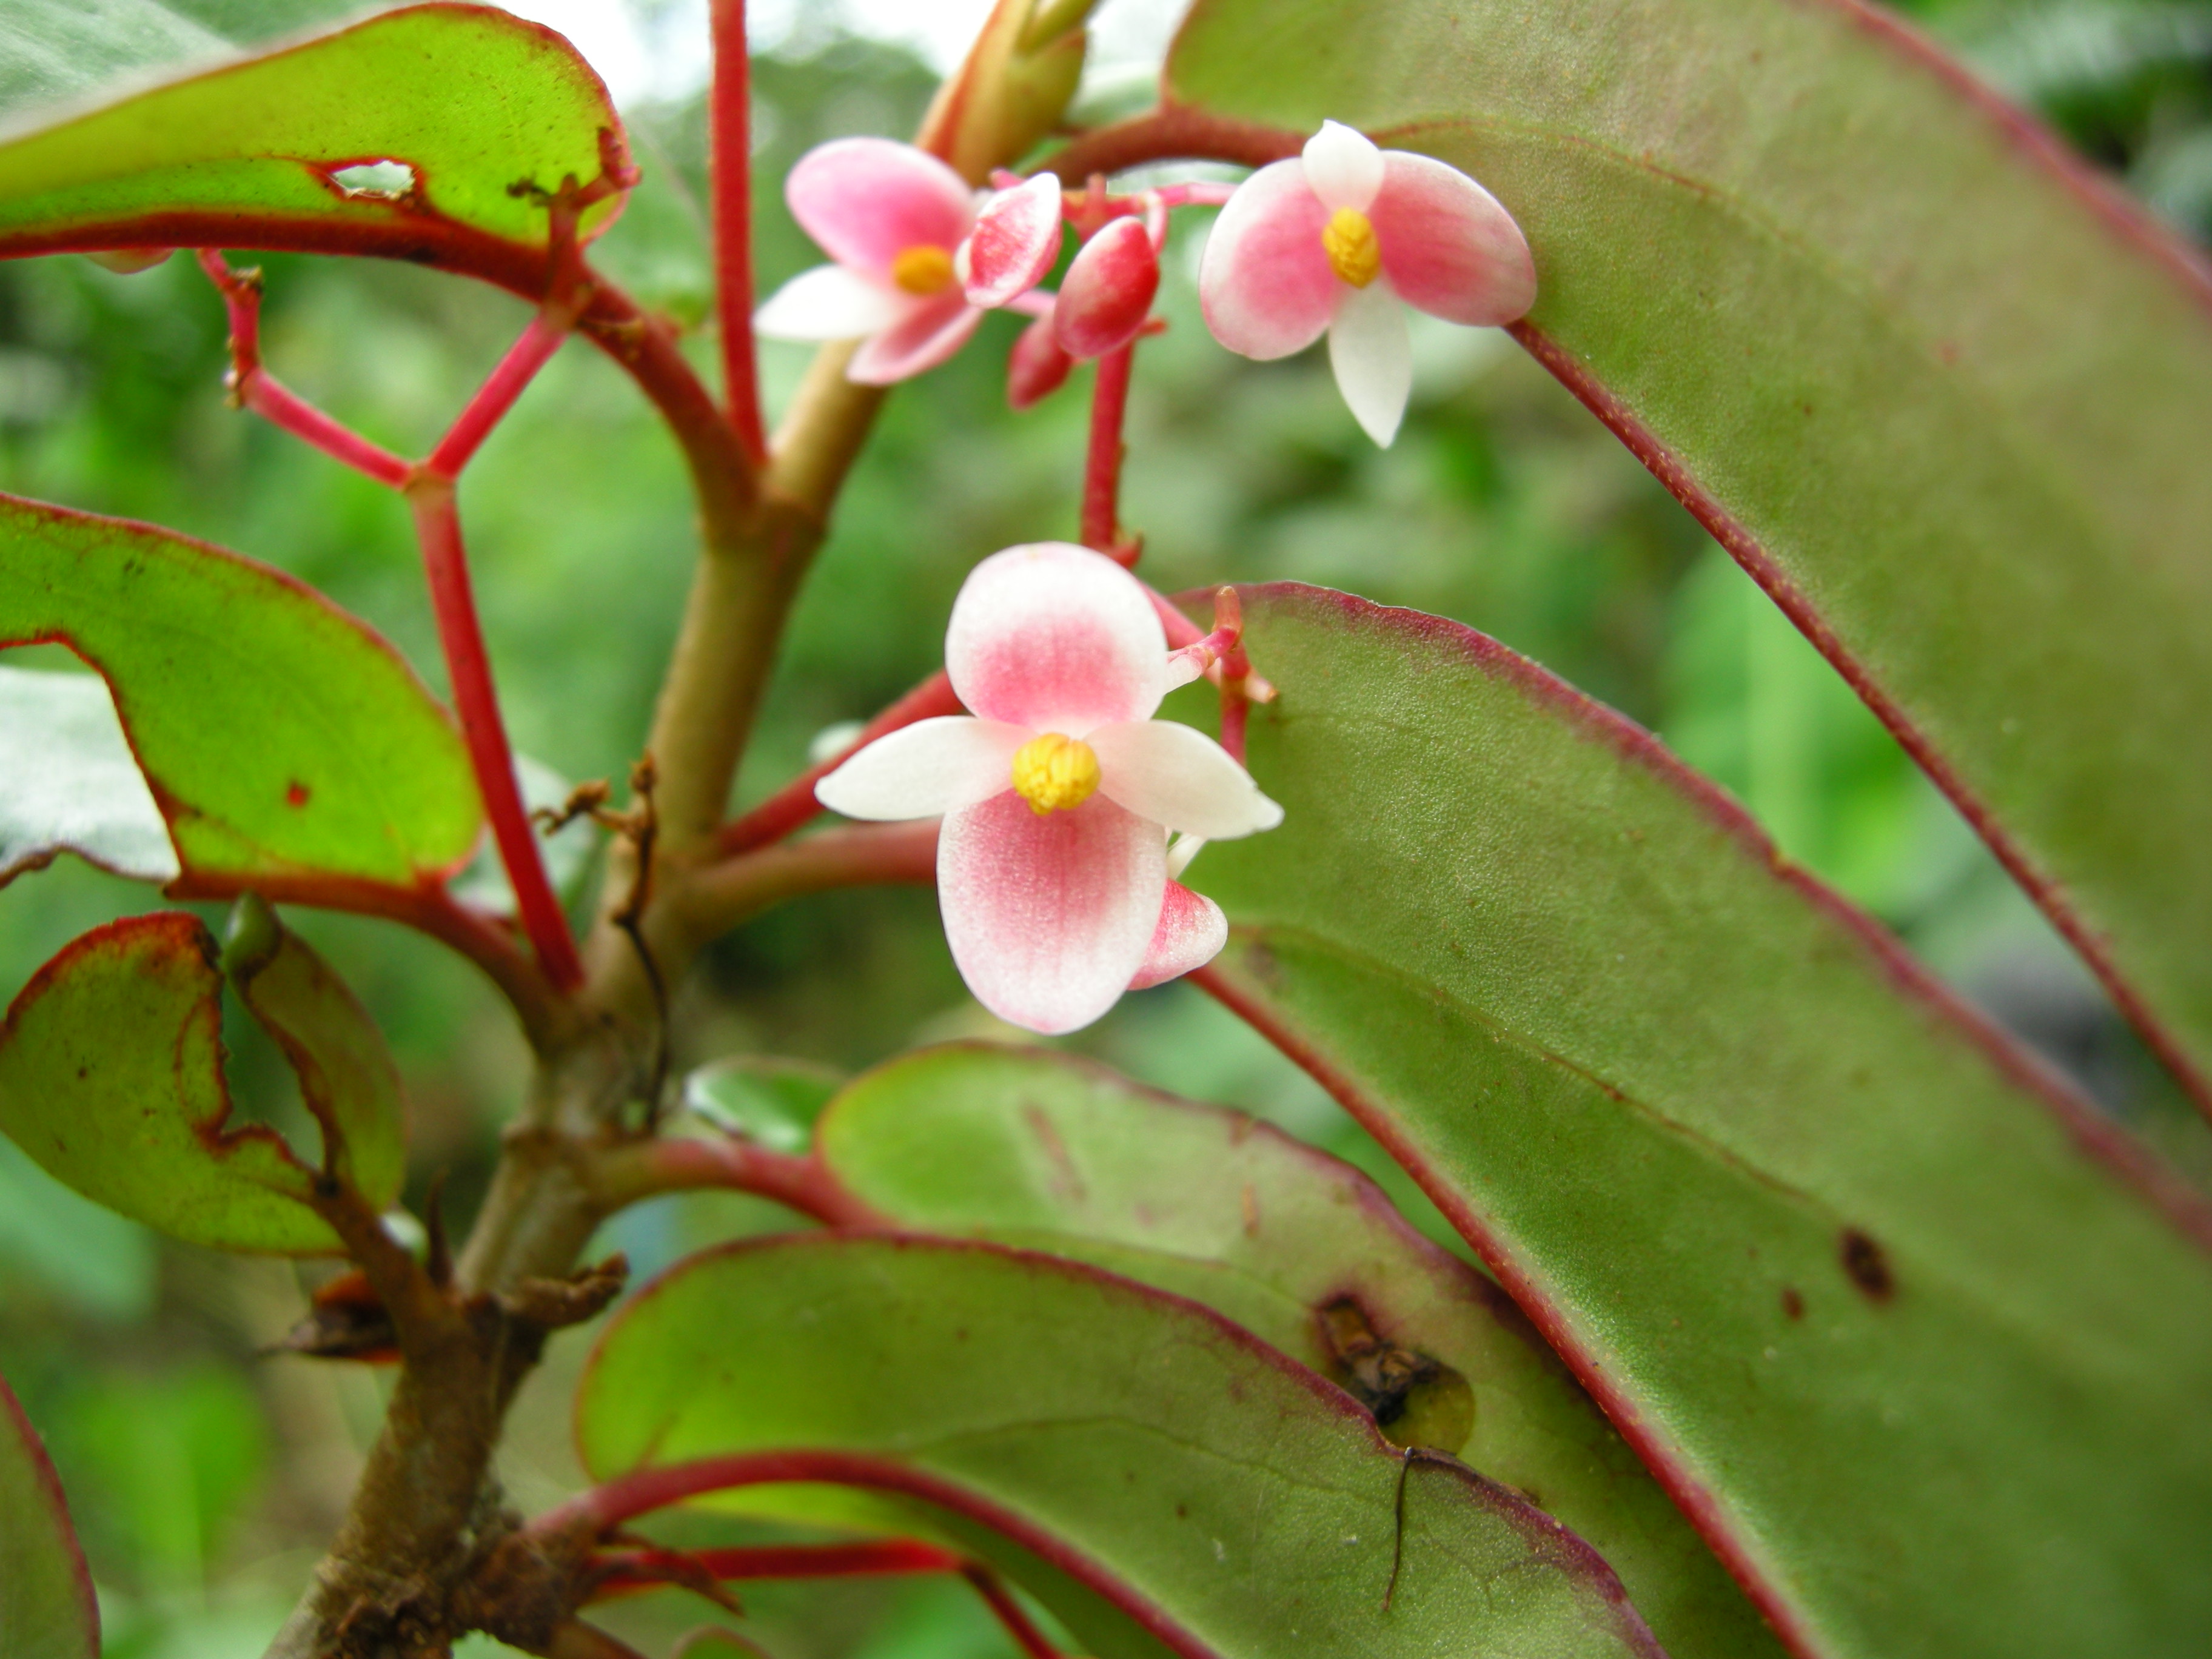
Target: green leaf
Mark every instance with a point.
(1883, 1305)
(763, 1098)
(1226, 1499)
(54, 49)
(47, 1610)
(288, 747)
(346, 1075)
(1029, 1147)
(111, 1078)
(487, 111)
(1943, 392)
(72, 784)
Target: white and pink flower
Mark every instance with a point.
(1340, 239)
(1059, 795)
(894, 219)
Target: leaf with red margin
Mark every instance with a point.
(1048, 1152)
(488, 113)
(1939, 388)
(288, 748)
(111, 1080)
(1920, 1342)
(1224, 1500)
(47, 1608)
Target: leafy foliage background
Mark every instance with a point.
(204, 1479)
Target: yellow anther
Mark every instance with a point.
(1349, 239)
(1054, 773)
(923, 269)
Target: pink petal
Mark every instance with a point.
(1037, 366)
(932, 332)
(1016, 239)
(1108, 291)
(922, 771)
(1049, 918)
(1448, 247)
(1265, 283)
(831, 302)
(865, 200)
(1055, 638)
(1343, 168)
(1176, 775)
(1373, 357)
(1191, 931)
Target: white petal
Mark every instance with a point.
(921, 770)
(1342, 167)
(1049, 918)
(1055, 637)
(1176, 775)
(1373, 357)
(830, 303)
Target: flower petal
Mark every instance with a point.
(865, 200)
(929, 335)
(830, 303)
(922, 771)
(1373, 357)
(1016, 239)
(1049, 918)
(1265, 283)
(1108, 291)
(1342, 166)
(1053, 637)
(1176, 775)
(1038, 365)
(1191, 931)
(1448, 247)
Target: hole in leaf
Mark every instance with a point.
(387, 181)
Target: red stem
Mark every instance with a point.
(678, 1164)
(794, 804)
(1102, 471)
(646, 1490)
(729, 126)
(257, 389)
(1027, 1636)
(649, 1568)
(496, 396)
(438, 526)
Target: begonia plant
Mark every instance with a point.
(1775, 1300)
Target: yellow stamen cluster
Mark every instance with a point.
(923, 269)
(1349, 239)
(1054, 773)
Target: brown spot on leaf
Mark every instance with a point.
(1865, 1266)
(1792, 1304)
(296, 794)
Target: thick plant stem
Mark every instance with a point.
(729, 141)
(438, 525)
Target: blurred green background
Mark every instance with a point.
(206, 1479)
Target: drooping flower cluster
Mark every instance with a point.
(1339, 240)
(1060, 791)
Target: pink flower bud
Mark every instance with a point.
(1016, 239)
(1108, 292)
(1037, 366)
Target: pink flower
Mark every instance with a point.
(894, 219)
(1108, 292)
(1052, 868)
(1336, 240)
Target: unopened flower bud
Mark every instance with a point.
(1016, 239)
(1108, 292)
(1037, 366)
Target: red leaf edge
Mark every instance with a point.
(49, 1486)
